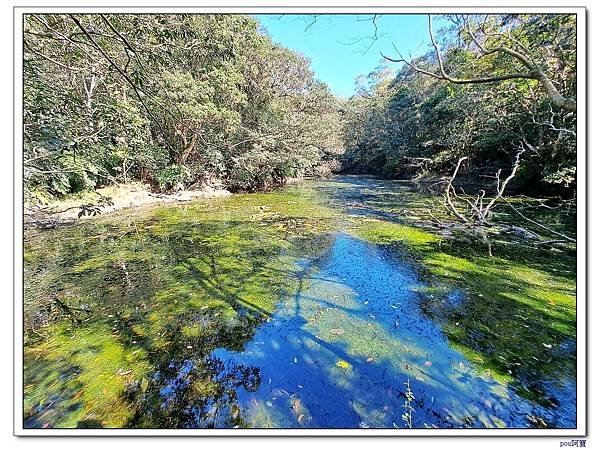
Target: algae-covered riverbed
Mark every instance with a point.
(318, 305)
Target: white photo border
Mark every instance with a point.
(308, 8)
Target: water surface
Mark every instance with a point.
(318, 306)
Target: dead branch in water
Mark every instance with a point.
(480, 211)
(549, 230)
(449, 192)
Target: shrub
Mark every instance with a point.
(173, 177)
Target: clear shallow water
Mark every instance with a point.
(268, 310)
(357, 304)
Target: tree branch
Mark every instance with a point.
(534, 73)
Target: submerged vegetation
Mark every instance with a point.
(132, 306)
(138, 291)
(343, 302)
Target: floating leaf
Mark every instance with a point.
(296, 405)
(428, 363)
(79, 394)
(343, 364)
(144, 384)
(370, 359)
(268, 403)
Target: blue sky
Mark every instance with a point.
(338, 45)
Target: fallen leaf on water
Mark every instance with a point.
(296, 405)
(369, 359)
(428, 363)
(268, 403)
(144, 384)
(343, 364)
(79, 394)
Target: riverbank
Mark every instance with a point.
(108, 199)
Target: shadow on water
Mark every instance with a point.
(340, 351)
(268, 310)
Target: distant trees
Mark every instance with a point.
(175, 99)
(168, 99)
(483, 94)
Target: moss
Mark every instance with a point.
(515, 306)
(163, 283)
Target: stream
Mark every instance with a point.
(319, 305)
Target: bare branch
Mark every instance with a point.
(564, 236)
(448, 195)
(534, 72)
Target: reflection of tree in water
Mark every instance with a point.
(194, 393)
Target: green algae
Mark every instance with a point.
(147, 293)
(162, 283)
(82, 371)
(513, 312)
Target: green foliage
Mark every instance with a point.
(173, 177)
(412, 124)
(211, 93)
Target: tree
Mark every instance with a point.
(417, 125)
(486, 36)
(169, 99)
